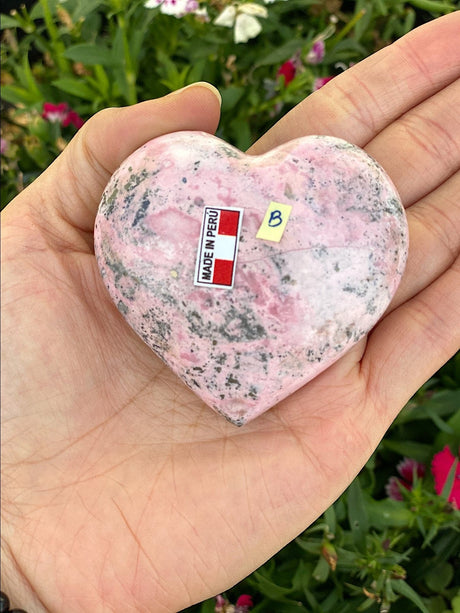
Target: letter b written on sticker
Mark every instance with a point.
(274, 222)
(275, 219)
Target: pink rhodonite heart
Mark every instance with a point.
(322, 246)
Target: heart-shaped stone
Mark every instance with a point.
(245, 324)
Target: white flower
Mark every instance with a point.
(178, 8)
(243, 17)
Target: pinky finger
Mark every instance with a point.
(413, 342)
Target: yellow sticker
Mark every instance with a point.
(274, 223)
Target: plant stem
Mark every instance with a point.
(350, 25)
(56, 44)
(131, 94)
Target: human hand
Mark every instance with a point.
(121, 490)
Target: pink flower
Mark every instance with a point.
(407, 468)
(316, 53)
(3, 146)
(393, 488)
(243, 604)
(319, 82)
(220, 604)
(60, 113)
(440, 467)
(287, 70)
(178, 8)
(73, 118)
(55, 113)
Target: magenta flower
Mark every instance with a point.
(55, 113)
(393, 488)
(243, 604)
(440, 467)
(319, 82)
(74, 119)
(316, 53)
(409, 469)
(287, 70)
(60, 113)
(3, 146)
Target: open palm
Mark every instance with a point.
(121, 490)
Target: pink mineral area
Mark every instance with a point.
(297, 305)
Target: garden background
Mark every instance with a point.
(392, 540)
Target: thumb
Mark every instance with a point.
(70, 189)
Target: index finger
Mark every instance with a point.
(359, 103)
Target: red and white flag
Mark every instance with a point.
(218, 247)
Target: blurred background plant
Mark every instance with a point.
(391, 542)
(264, 56)
(393, 538)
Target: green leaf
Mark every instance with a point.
(37, 151)
(6, 21)
(403, 588)
(436, 604)
(439, 577)
(102, 81)
(456, 604)
(75, 87)
(241, 133)
(442, 402)
(208, 606)
(330, 519)
(91, 54)
(433, 6)
(321, 571)
(346, 560)
(419, 451)
(453, 440)
(27, 80)
(230, 97)
(438, 421)
(447, 487)
(357, 514)
(310, 545)
(367, 604)
(271, 589)
(17, 95)
(387, 513)
(280, 54)
(84, 7)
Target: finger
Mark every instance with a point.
(434, 239)
(412, 342)
(366, 98)
(421, 149)
(75, 181)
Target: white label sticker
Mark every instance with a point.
(218, 247)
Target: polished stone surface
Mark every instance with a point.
(297, 303)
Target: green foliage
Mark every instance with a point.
(94, 54)
(367, 552)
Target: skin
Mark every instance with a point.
(121, 490)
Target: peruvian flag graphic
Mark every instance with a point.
(217, 251)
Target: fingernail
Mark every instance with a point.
(205, 84)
